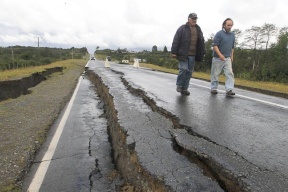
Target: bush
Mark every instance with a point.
(46, 60)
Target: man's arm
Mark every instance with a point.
(217, 51)
(176, 42)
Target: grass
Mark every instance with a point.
(270, 86)
(263, 85)
(24, 72)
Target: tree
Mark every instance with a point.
(83, 50)
(238, 34)
(267, 31)
(281, 49)
(165, 49)
(206, 65)
(253, 39)
(97, 48)
(154, 48)
(283, 31)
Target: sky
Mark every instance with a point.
(130, 24)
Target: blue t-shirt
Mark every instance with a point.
(225, 43)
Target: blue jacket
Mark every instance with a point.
(181, 43)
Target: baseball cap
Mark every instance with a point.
(192, 15)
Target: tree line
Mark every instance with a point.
(14, 57)
(255, 57)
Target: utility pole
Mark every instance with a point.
(38, 51)
(287, 48)
(12, 57)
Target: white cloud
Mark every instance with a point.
(126, 23)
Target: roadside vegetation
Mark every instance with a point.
(270, 86)
(27, 71)
(20, 61)
(16, 57)
(258, 63)
(262, 85)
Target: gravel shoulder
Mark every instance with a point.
(24, 122)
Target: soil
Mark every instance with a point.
(24, 122)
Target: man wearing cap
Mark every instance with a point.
(187, 47)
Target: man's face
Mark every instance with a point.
(192, 21)
(228, 26)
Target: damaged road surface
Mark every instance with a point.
(81, 159)
(129, 130)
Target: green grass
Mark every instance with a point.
(270, 86)
(24, 72)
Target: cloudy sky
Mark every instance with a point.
(125, 23)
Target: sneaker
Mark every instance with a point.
(229, 93)
(214, 91)
(185, 92)
(179, 89)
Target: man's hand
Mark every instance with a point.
(174, 56)
(221, 57)
(216, 49)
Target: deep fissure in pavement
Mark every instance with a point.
(210, 168)
(196, 148)
(124, 155)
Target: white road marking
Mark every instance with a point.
(43, 167)
(250, 98)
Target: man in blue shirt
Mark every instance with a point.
(223, 50)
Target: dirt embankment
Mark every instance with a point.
(16, 87)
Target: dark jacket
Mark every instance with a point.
(181, 43)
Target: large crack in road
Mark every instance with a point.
(197, 149)
(226, 183)
(123, 153)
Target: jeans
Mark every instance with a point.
(186, 69)
(217, 66)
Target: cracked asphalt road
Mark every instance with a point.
(163, 141)
(82, 158)
(247, 132)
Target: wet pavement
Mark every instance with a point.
(240, 141)
(147, 136)
(130, 128)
